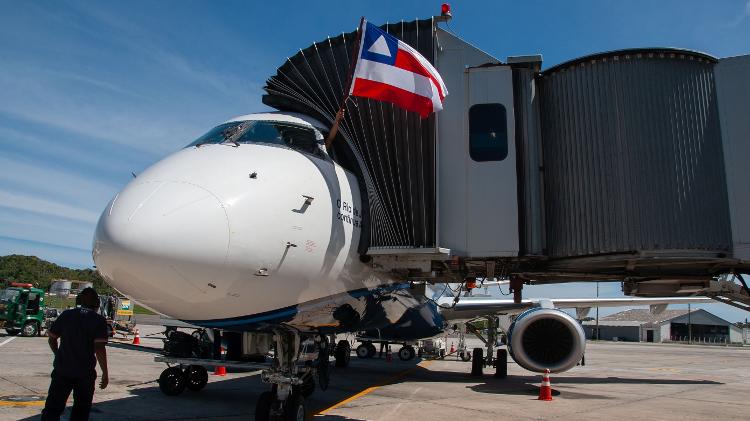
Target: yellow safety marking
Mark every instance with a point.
(21, 403)
(371, 389)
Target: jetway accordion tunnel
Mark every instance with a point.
(620, 161)
(632, 155)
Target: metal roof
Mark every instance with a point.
(643, 316)
(658, 51)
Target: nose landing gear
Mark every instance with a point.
(297, 360)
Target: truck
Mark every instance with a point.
(22, 309)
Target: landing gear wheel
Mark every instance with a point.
(172, 381)
(363, 351)
(197, 377)
(465, 356)
(30, 329)
(343, 353)
(294, 410)
(406, 353)
(477, 362)
(263, 406)
(307, 388)
(373, 351)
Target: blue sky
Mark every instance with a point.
(92, 91)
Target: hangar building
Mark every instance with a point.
(640, 325)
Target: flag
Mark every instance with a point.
(389, 70)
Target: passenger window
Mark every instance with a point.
(488, 132)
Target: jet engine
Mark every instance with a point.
(546, 338)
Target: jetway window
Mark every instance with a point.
(488, 132)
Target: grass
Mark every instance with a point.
(63, 303)
(142, 310)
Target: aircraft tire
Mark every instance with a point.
(477, 362)
(197, 377)
(406, 353)
(343, 353)
(172, 381)
(295, 409)
(307, 388)
(263, 406)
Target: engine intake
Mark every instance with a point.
(546, 338)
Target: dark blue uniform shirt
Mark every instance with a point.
(78, 330)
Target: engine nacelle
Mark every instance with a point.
(546, 338)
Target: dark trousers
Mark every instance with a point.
(59, 391)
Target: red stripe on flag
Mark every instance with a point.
(389, 93)
(406, 61)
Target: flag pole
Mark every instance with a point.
(352, 64)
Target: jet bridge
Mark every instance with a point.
(623, 166)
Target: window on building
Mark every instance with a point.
(488, 132)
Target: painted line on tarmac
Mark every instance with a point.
(371, 389)
(7, 340)
(21, 403)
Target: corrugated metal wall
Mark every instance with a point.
(632, 155)
(391, 151)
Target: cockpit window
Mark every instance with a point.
(291, 135)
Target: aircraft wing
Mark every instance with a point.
(469, 308)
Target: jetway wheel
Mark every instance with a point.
(343, 353)
(477, 362)
(197, 377)
(172, 381)
(363, 351)
(406, 353)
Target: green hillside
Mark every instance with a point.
(31, 269)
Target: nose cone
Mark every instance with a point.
(158, 237)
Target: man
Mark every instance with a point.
(83, 332)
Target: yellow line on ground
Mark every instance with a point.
(371, 389)
(21, 403)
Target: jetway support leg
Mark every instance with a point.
(516, 287)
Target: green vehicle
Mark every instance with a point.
(22, 309)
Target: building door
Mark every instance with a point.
(649, 336)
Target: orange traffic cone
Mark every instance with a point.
(137, 338)
(453, 348)
(220, 370)
(545, 390)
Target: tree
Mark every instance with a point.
(41, 273)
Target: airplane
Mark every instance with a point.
(251, 231)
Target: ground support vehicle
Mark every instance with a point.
(22, 309)
(367, 348)
(431, 348)
(118, 311)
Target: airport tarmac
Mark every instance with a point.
(619, 381)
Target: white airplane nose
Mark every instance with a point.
(159, 235)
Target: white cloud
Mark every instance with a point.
(40, 180)
(35, 204)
